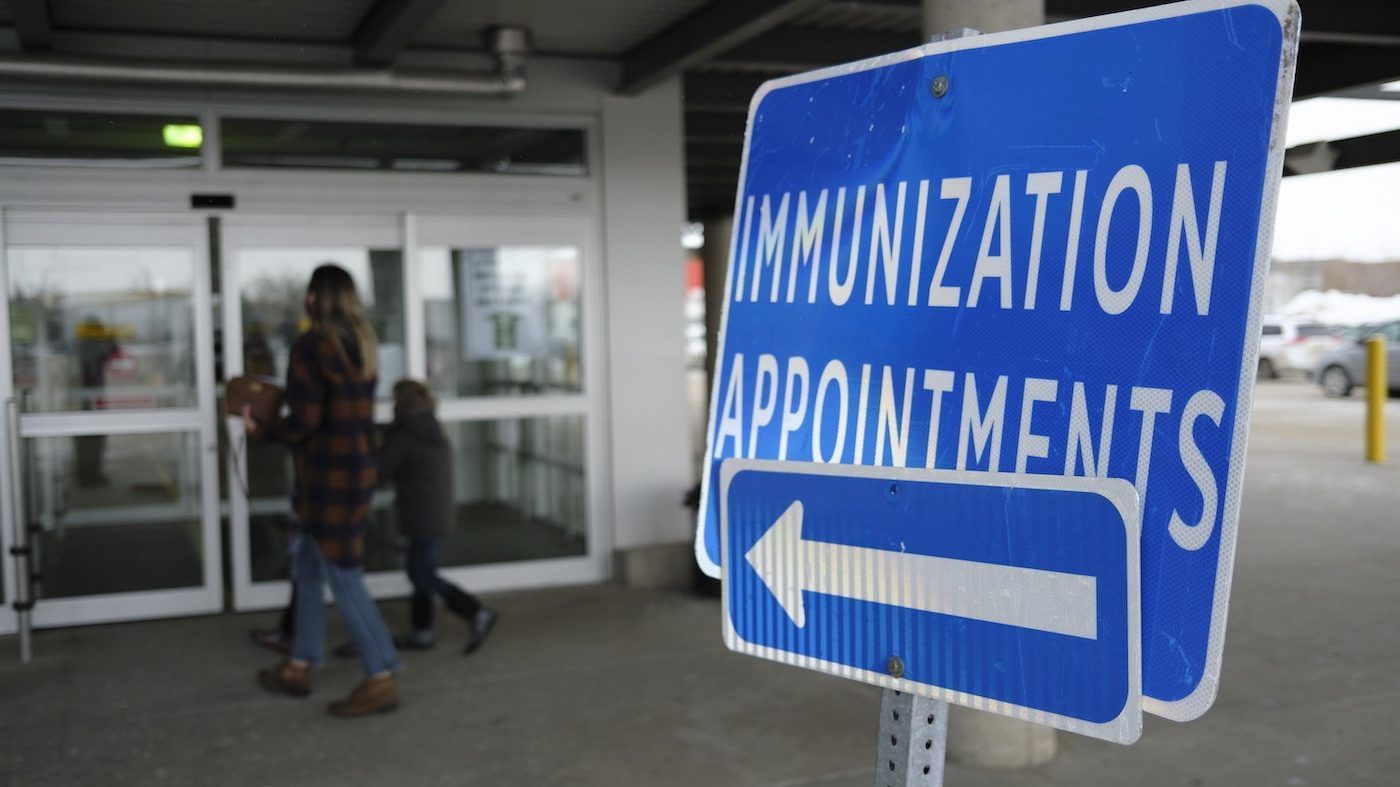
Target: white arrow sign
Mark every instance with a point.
(1053, 601)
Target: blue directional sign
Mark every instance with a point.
(1039, 252)
(1015, 593)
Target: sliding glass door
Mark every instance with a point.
(265, 266)
(493, 314)
(508, 331)
(110, 358)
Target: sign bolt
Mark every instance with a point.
(896, 667)
(940, 86)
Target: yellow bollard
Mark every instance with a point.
(1376, 390)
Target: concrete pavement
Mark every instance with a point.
(604, 686)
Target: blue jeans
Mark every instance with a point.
(420, 563)
(357, 610)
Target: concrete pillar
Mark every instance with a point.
(643, 210)
(716, 255)
(976, 738)
(986, 16)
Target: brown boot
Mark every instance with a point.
(373, 695)
(287, 678)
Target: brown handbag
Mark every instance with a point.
(261, 393)
(263, 396)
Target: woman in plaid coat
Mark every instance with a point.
(329, 428)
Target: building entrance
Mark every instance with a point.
(154, 247)
(123, 327)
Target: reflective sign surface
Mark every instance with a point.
(1036, 252)
(1011, 593)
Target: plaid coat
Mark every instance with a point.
(329, 428)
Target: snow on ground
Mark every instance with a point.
(1342, 308)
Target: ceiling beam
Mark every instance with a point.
(714, 186)
(1336, 21)
(716, 127)
(1324, 65)
(387, 28)
(195, 49)
(1055, 9)
(1327, 67)
(1382, 148)
(713, 155)
(713, 28)
(719, 92)
(163, 47)
(796, 49)
(1360, 17)
(1373, 92)
(33, 24)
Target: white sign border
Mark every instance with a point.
(1125, 728)
(1202, 697)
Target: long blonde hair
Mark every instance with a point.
(338, 313)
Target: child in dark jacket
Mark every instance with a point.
(417, 457)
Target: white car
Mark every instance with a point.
(1290, 345)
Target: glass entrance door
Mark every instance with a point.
(266, 264)
(110, 357)
(507, 308)
(493, 314)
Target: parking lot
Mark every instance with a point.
(604, 686)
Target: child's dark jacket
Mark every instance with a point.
(417, 458)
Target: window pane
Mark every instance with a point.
(95, 328)
(518, 486)
(272, 284)
(249, 142)
(89, 139)
(519, 491)
(502, 320)
(269, 486)
(117, 513)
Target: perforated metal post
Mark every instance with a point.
(913, 737)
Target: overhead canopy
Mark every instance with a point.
(1348, 46)
(723, 49)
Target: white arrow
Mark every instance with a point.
(1032, 598)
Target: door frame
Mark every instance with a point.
(108, 228)
(9, 583)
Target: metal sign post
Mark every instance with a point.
(913, 739)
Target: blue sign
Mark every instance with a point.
(1016, 594)
(1039, 252)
